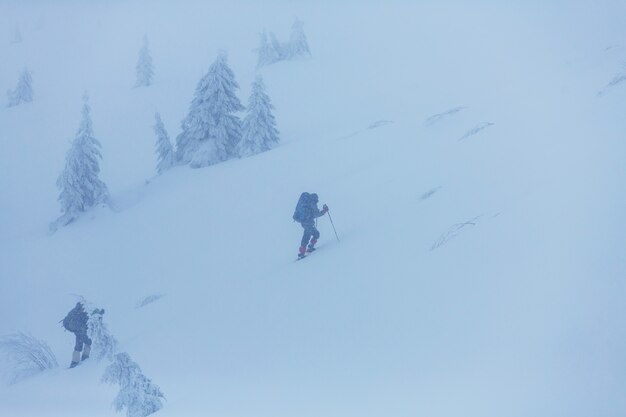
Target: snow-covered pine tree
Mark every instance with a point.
(164, 150)
(80, 186)
(259, 125)
(17, 36)
(280, 50)
(298, 45)
(23, 93)
(211, 130)
(145, 70)
(267, 53)
(137, 393)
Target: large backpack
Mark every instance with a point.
(299, 214)
(75, 319)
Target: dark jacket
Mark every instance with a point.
(311, 213)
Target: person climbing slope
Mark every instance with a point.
(306, 212)
(76, 322)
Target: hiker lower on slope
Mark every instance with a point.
(76, 322)
(305, 214)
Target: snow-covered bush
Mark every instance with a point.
(150, 299)
(23, 93)
(138, 395)
(26, 356)
(103, 343)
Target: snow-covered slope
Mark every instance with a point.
(480, 268)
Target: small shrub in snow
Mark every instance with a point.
(103, 343)
(476, 129)
(138, 395)
(26, 355)
(23, 93)
(149, 299)
(436, 117)
(619, 78)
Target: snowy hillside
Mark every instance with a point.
(473, 159)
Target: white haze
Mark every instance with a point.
(481, 265)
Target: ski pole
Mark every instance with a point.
(331, 222)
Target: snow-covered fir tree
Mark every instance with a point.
(298, 45)
(279, 49)
(104, 344)
(211, 130)
(267, 52)
(23, 93)
(145, 70)
(271, 50)
(17, 35)
(259, 125)
(138, 395)
(164, 149)
(80, 186)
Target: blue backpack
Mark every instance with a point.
(302, 207)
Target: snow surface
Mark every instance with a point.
(519, 312)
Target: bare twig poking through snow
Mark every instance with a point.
(476, 129)
(26, 355)
(435, 118)
(453, 232)
(379, 123)
(615, 81)
(149, 299)
(429, 193)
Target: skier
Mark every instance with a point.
(305, 214)
(76, 322)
